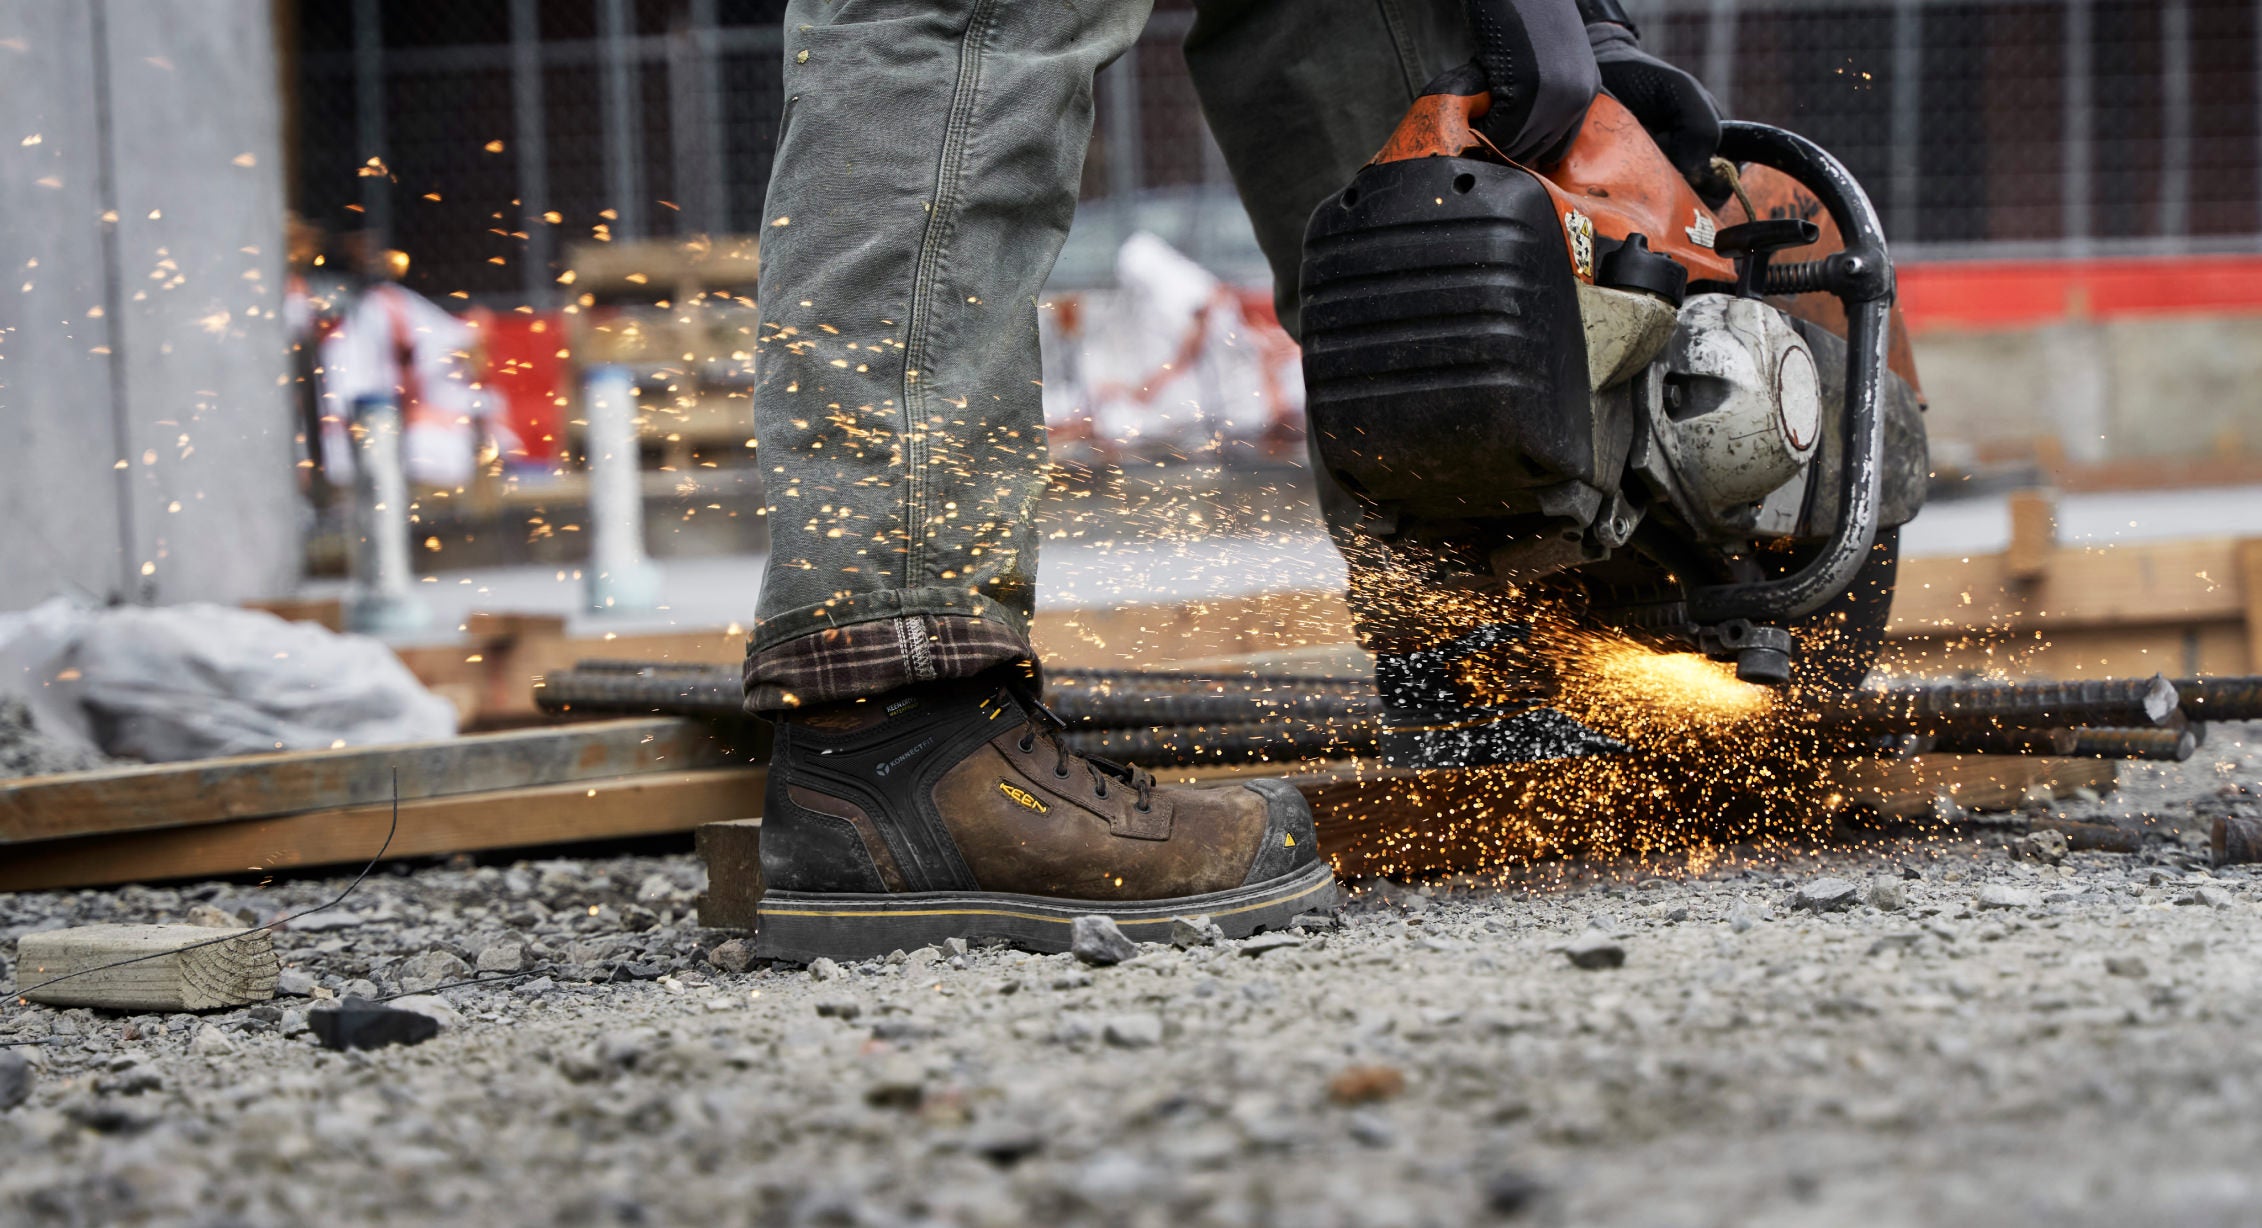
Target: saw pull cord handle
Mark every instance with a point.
(1862, 278)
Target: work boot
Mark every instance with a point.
(954, 810)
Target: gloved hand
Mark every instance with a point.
(1676, 109)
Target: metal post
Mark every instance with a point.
(619, 577)
(369, 114)
(2175, 117)
(623, 177)
(2080, 159)
(530, 132)
(383, 598)
(1720, 54)
(695, 121)
(1125, 154)
(1908, 86)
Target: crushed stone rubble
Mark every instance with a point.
(1966, 1030)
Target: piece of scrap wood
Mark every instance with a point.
(170, 970)
(656, 803)
(732, 853)
(1906, 788)
(262, 786)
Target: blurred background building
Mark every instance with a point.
(2074, 189)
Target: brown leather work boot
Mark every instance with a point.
(954, 810)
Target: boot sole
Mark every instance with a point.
(797, 927)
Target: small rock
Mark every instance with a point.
(2048, 847)
(1098, 940)
(437, 1009)
(1365, 1084)
(1888, 894)
(840, 1008)
(1315, 921)
(1740, 918)
(1593, 950)
(2002, 895)
(1371, 1129)
(922, 961)
(538, 987)
(737, 955)
(1263, 943)
(900, 1084)
(1678, 915)
(15, 1079)
(357, 1023)
(822, 969)
(502, 957)
(1511, 1193)
(1195, 932)
(1137, 1031)
(433, 969)
(1006, 1144)
(294, 983)
(899, 1029)
(1825, 895)
(655, 889)
(212, 918)
(2212, 897)
(2126, 965)
(956, 946)
(211, 1042)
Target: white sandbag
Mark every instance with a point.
(197, 681)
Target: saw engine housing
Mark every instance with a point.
(1581, 370)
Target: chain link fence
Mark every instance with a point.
(483, 138)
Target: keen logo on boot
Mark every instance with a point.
(1022, 797)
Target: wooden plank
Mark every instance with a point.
(732, 852)
(2034, 535)
(207, 975)
(2250, 582)
(654, 804)
(1906, 788)
(2148, 583)
(253, 786)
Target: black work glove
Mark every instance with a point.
(1676, 109)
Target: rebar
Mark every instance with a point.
(1977, 707)
(2221, 699)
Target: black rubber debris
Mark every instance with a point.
(358, 1023)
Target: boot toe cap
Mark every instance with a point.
(1290, 842)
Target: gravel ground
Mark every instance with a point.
(1970, 1031)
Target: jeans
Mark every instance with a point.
(926, 171)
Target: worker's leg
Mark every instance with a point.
(1301, 94)
(917, 791)
(926, 171)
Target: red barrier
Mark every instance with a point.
(2022, 293)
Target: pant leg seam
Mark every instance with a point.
(1401, 41)
(933, 248)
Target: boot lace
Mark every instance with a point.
(1044, 725)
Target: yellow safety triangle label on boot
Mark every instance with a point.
(1287, 840)
(1022, 797)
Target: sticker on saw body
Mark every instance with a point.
(1581, 229)
(1022, 797)
(1703, 230)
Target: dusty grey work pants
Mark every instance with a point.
(926, 172)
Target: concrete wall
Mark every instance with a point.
(2166, 387)
(141, 272)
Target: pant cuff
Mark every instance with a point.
(875, 657)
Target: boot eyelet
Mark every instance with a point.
(1060, 772)
(1026, 745)
(1144, 808)
(1099, 790)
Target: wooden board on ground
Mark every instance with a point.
(658, 803)
(261, 786)
(173, 968)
